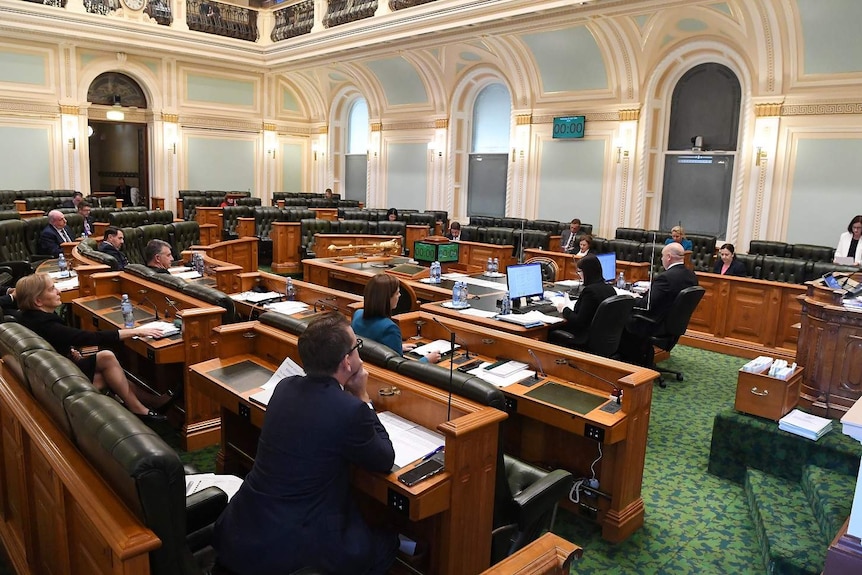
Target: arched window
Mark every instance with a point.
(489, 152)
(702, 143)
(356, 157)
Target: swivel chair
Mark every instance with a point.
(606, 329)
(666, 333)
(550, 270)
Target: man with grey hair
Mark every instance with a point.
(54, 234)
(159, 256)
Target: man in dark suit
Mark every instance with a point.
(454, 232)
(159, 256)
(112, 244)
(74, 202)
(54, 234)
(656, 303)
(124, 192)
(569, 237)
(294, 509)
(84, 212)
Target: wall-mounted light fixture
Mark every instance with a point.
(759, 155)
(73, 142)
(270, 140)
(314, 149)
(70, 129)
(171, 133)
(116, 112)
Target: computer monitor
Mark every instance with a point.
(609, 266)
(524, 280)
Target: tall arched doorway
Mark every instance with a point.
(119, 161)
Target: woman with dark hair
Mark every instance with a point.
(374, 320)
(849, 245)
(392, 214)
(595, 291)
(727, 264)
(38, 297)
(585, 244)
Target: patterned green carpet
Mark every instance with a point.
(695, 523)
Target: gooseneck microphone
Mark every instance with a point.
(145, 299)
(457, 337)
(324, 305)
(618, 391)
(539, 371)
(451, 366)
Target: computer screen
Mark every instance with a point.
(524, 280)
(609, 266)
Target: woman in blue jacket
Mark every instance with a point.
(374, 321)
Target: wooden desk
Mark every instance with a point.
(223, 261)
(160, 364)
(489, 303)
(567, 268)
(67, 295)
(548, 555)
(477, 254)
(552, 436)
(351, 245)
(829, 347)
(746, 317)
(330, 214)
(209, 220)
(312, 294)
(452, 511)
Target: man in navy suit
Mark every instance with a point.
(112, 244)
(656, 303)
(294, 509)
(569, 237)
(54, 234)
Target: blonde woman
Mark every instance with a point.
(677, 234)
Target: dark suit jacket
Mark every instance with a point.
(294, 508)
(448, 236)
(62, 337)
(665, 287)
(121, 258)
(564, 239)
(737, 268)
(125, 193)
(578, 320)
(50, 240)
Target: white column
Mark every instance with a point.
(622, 161)
(167, 150)
(271, 162)
(320, 8)
(178, 13)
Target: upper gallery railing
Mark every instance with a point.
(224, 19)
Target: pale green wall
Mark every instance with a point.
(219, 91)
(831, 40)
(407, 175)
(826, 186)
(291, 168)
(18, 68)
(568, 60)
(24, 159)
(400, 82)
(570, 180)
(215, 164)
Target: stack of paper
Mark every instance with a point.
(410, 440)
(287, 307)
(230, 484)
(805, 424)
(186, 275)
(166, 327)
(256, 297)
(441, 346)
(288, 368)
(530, 319)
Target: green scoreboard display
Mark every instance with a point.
(433, 252)
(568, 127)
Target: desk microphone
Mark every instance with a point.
(540, 372)
(618, 391)
(171, 303)
(145, 299)
(324, 305)
(457, 337)
(451, 366)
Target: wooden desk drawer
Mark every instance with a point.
(765, 396)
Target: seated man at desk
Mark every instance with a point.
(159, 256)
(38, 297)
(454, 232)
(112, 244)
(569, 237)
(54, 234)
(294, 508)
(656, 303)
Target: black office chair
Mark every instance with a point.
(549, 268)
(666, 334)
(606, 329)
(408, 300)
(533, 507)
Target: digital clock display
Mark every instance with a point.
(568, 127)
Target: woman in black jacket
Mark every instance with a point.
(727, 264)
(594, 292)
(38, 297)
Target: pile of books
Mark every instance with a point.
(805, 424)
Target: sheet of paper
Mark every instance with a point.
(441, 346)
(498, 381)
(410, 440)
(65, 285)
(478, 312)
(507, 368)
(187, 275)
(255, 297)
(287, 307)
(230, 484)
(530, 318)
(454, 276)
(288, 368)
(166, 328)
(569, 283)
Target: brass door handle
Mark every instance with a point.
(763, 393)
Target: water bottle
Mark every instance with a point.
(462, 295)
(495, 267)
(456, 294)
(621, 281)
(489, 267)
(435, 272)
(199, 263)
(61, 264)
(506, 304)
(128, 316)
(290, 290)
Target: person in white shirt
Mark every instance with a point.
(849, 245)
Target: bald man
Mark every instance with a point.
(54, 234)
(656, 303)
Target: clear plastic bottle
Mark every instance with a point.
(128, 315)
(462, 295)
(495, 266)
(290, 290)
(62, 266)
(456, 294)
(489, 267)
(435, 272)
(506, 304)
(199, 263)
(621, 281)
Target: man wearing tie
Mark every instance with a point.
(112, 244)
(569, 237)
(54, 234)
(84, 212)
